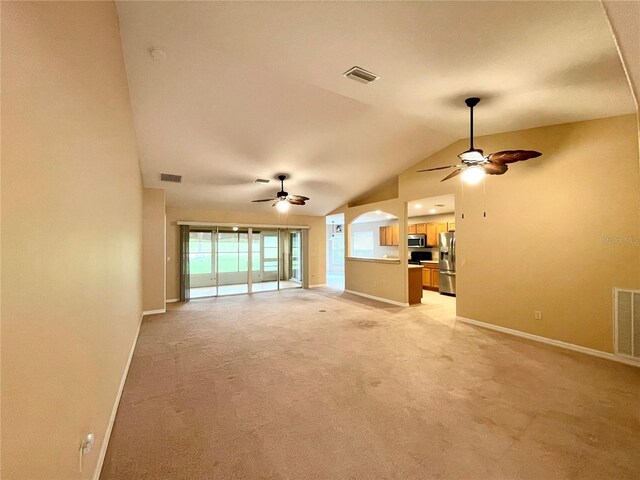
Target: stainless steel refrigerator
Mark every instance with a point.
(447, 266)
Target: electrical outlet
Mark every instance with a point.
(537, 315)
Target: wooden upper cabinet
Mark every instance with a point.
(395, 235)
(441, 227)
(388, 235)
(383, 236)
(412, 230)
(421, 228)
(451, 226)
(432, 238)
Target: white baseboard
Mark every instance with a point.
(318, 285)
(153, 312)
(550, 341)
(380, 299)
(107, 435)
(172, 300)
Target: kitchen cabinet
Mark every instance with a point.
(390, 236)
(421, 228)
(432, 238)
(412, 230)
(441, 228)
(426, 277)
(395, 235)
(451, 226)
(415, 285)
(435, 278)
(430, 276)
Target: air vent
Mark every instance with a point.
(360, 75)
(627, 322)
(439, 205)
(261, 180)
(168, 177)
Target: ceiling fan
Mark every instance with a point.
(283, 199)
(475, 164)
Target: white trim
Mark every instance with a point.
(153, 312)
(550, 341)
(241, 225)
(107, 435)
(172, 300)
(318, 285)
(380, 299)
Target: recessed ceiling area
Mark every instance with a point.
(431, 206)
(252, 89)
(375, 216)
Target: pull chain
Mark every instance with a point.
(462, 202)
(484, 196)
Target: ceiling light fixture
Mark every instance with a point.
(417, 205)
(433, 210)
(282, 206)
(235, 229)
(473, 174)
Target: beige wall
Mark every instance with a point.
(383, 280)
(71, 233)
(543, 245)
(317, 238)
(154, 258)
(387, 190)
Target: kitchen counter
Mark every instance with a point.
(415, 266)
(429, 261)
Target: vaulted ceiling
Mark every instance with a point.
(253, 89)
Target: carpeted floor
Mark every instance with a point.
(313, 384)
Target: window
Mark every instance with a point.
(270, 253)
(200, 251)
(233, 252)
(363, 244)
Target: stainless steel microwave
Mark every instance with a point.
(417, 241)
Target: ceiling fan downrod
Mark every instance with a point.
(471, 102)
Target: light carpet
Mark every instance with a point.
(313, 384)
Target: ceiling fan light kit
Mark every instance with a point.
(282, 200)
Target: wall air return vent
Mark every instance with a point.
(168, 177)
(360, 75)
(627, 322)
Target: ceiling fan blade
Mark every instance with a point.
(495, 168)
(452, 174)
(296, 201)
(438, 168)
(512, 156)
(301, 197)
(264, 200)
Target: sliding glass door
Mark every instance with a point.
(232, 260)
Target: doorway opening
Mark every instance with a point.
(335, 251)
(239, 260)
(432, 243)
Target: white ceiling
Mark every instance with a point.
(431, 206)
(252, 89)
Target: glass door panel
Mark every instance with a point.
(202, 271)
(233, 261)
(264, 260)
(291, 259)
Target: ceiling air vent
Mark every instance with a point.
(168, 177)
(261, 180)
(360, 75)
